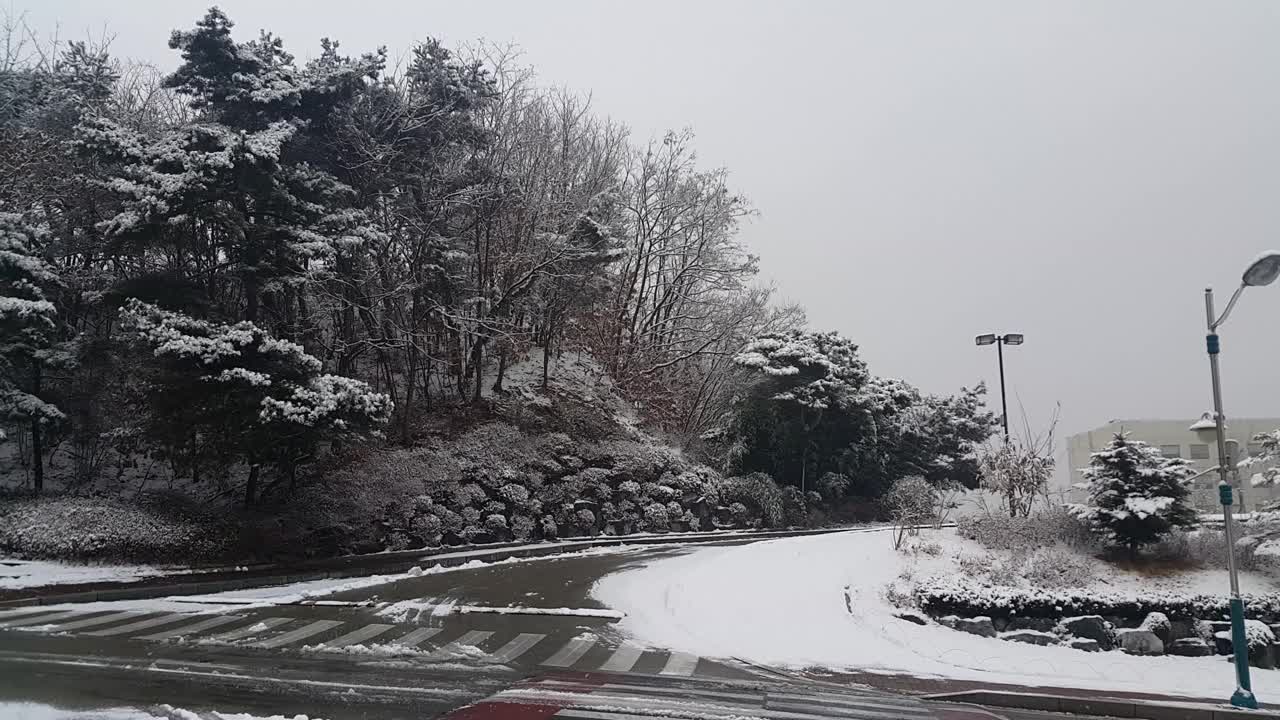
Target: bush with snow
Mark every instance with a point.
(102, 529)
(655, 517)
(911, 501)
(1056, 567)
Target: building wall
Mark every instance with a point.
(1176, 437)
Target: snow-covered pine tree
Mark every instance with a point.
(1136, 495)
(27, 334)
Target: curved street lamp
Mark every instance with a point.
(1263, 271)
(1000, 341)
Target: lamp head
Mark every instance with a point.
(1013, 338)
(987, 339)
(1264, 270)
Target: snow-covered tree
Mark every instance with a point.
(1016, 473)
(1136, 495)
(226, 393)
(28, 339)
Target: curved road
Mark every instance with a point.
(457, 637)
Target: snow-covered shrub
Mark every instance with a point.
(450, 521)
(910, 502)
(522, 527)
(101, 529)
(1021, 535)
(974, 566)
(514, 494)
(1158, 623)
(962, 596)
(758, 492)
(655, 517)
(795, 509)
(428, 527)
(495, 523)
(832, 486)
(470, 515)
(630, 488)
(1055, 567)
(741, 516)
(422, 504)
(398, 541)
(550, 530)
(1258, 635)
(471, 533)
(469, 495)
(695, 522)
(584, 519)
(675, 510)
(494, 507)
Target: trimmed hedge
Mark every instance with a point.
(966, 598)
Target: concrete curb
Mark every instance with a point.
(381, 563)
(1112, 707)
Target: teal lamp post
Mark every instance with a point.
(1263, 271)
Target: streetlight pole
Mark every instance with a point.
(1264, 270)
(1000, 341)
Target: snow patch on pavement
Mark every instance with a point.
(783, 602)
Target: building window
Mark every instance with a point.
(1255, 449)
(1171, 451)
(1198, 452)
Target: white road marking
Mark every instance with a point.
(517, 647)
(306, 631)
(624, 658)
(100, 620)
(453, 649)
(251, 629)
(141, 625)
(571, 653)
(414, 637)
(41, 619)
(358, 636)
(206, 624)
(680, 663)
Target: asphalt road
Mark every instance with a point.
(455, 638)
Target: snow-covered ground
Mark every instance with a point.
(819, 601)
(40, 711)
(16, 574)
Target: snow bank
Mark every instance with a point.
(16, 574)
(783, 602)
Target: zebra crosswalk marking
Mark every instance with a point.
(517, 647)
(206, 624)
(414, 637)
(358, 636)
(571, 653)
(41, 619)
(252, 628)
(624, 658)
(100, 620)
(471, 637)
(306, 631)
(680, 663)
(141, 625)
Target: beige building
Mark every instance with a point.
(1177, 438)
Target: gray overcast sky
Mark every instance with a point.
(927, 171)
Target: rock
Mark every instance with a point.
(1090, 627)
(1029, 623)
(1158, 623)
(1189, 647)
(1033, 637)
(912, 617)
(980, 625)
(1001, 624)
(1139, 642)
(1085, 644)
(1222, 642)
(950, 621)
(1179, 629)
